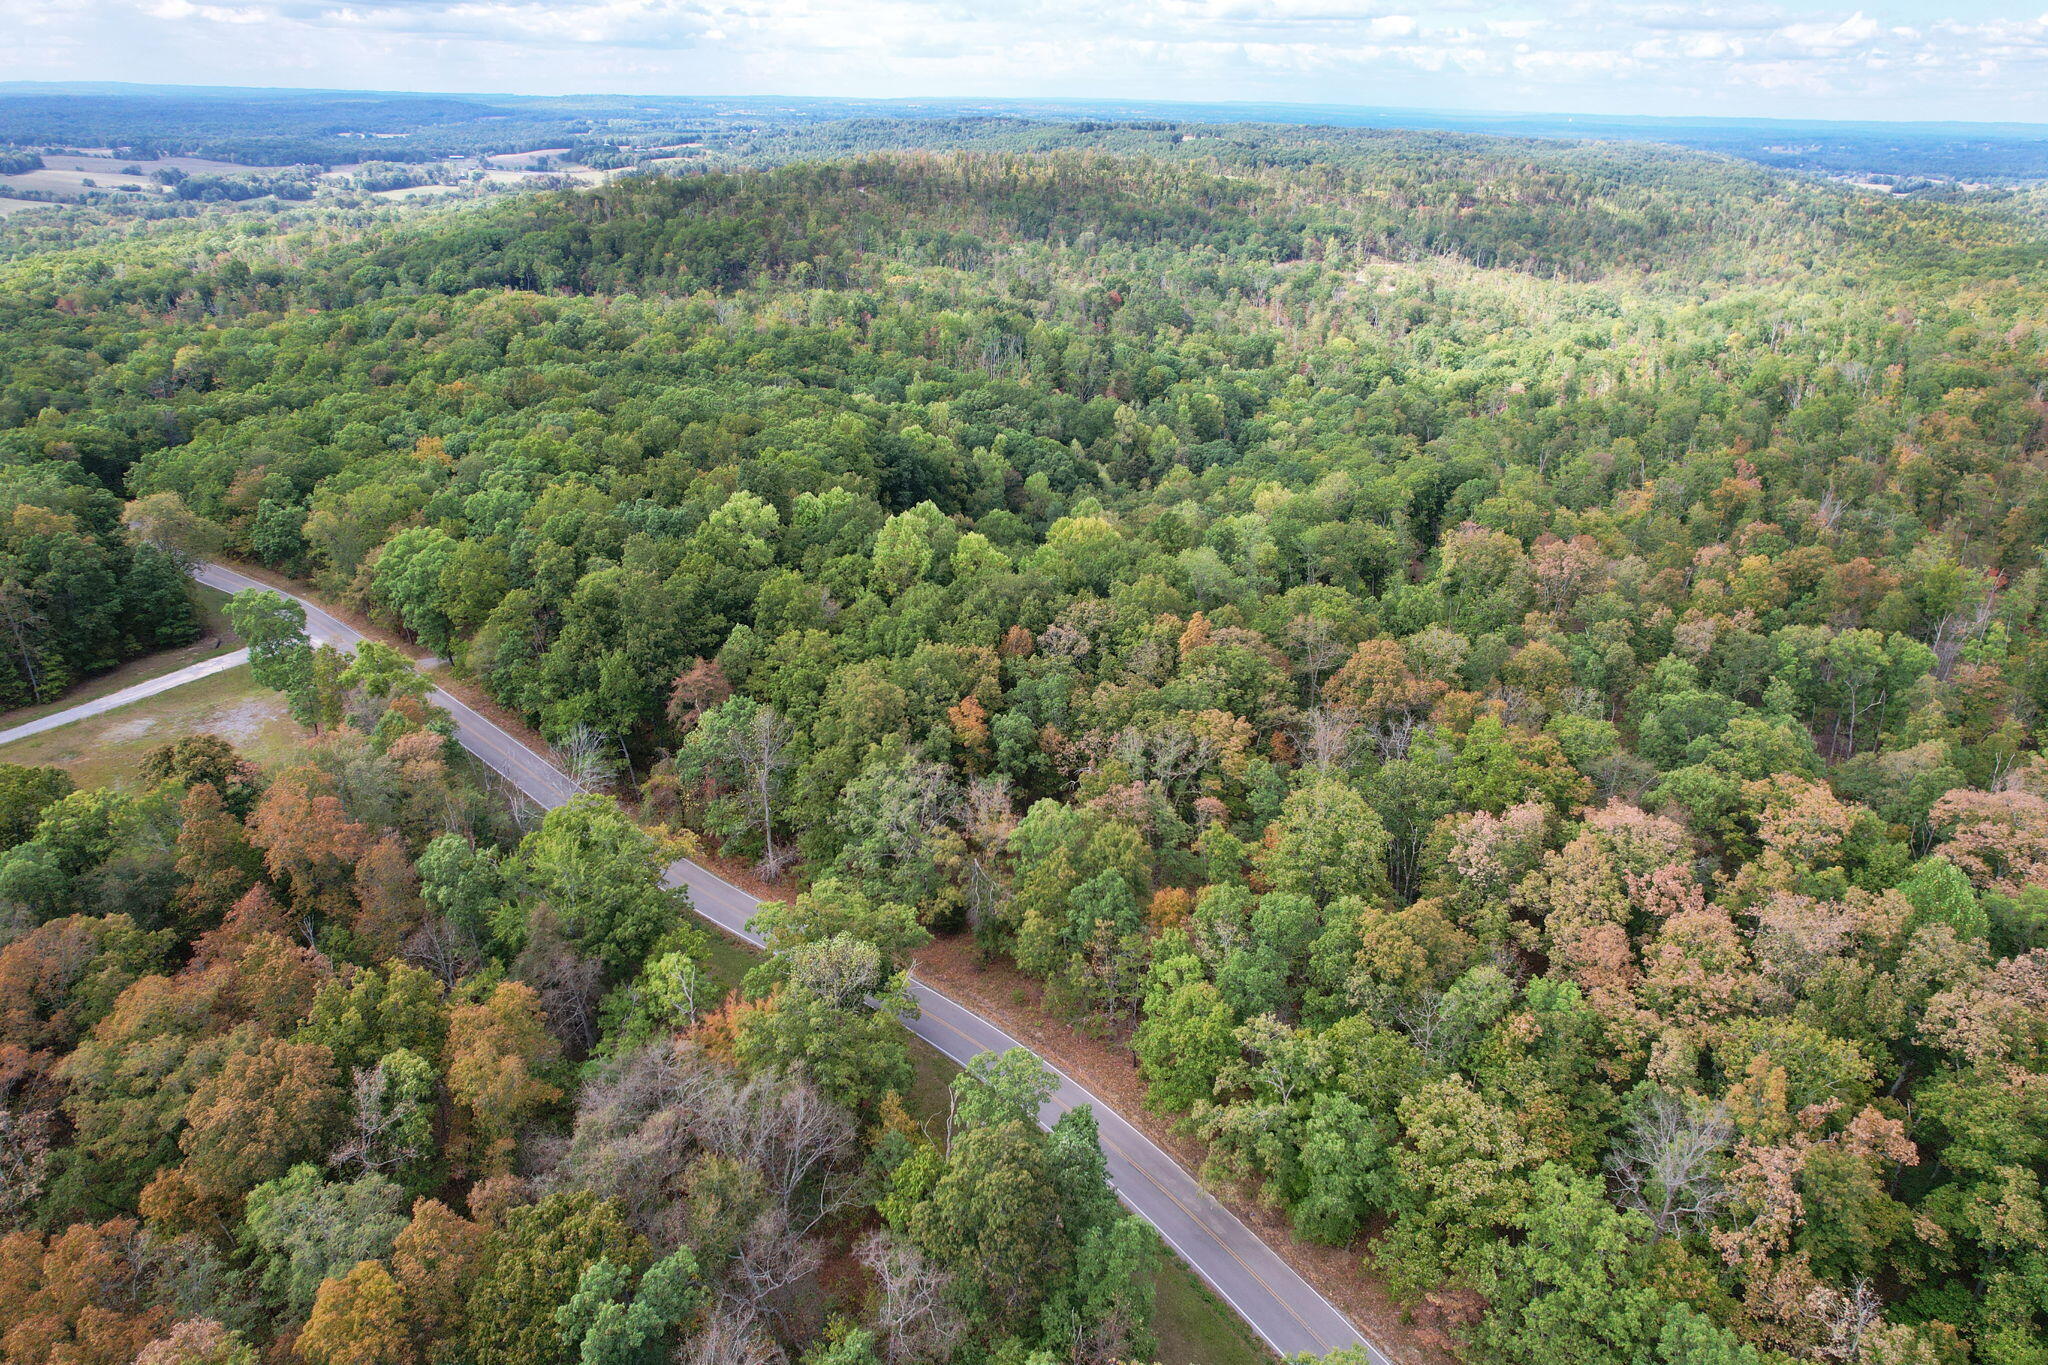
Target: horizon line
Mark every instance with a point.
(118, 89)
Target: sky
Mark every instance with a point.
(1910, 60)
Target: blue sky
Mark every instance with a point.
(1963, 59)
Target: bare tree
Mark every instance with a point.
(762, 755)
(24, 1158)
(772, 1258)
(786, 1129)
(1845, 1319)
(1395, 734)
(381, 1124)
(731, 1335)
(1327, 736)
(586, 755)
(913, 1310)
(570, 985)
(1669, 1165)
(445, 948)
(744, 744)
(1314, 647)
(987, 825)
(646, 1119)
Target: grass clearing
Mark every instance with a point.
(107, 750)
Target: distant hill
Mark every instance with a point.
(279, 126)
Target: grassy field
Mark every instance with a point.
(107, 750)
(216, 637)
(72, 183)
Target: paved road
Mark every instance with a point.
(205, 668)
(1230, 1257)
(537, 777)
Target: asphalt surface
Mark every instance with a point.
(205, 668)
(1247, 1274)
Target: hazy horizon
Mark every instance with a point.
(999, 100)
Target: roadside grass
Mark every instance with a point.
(216, 636)
(107, 750)
(1195, 1327)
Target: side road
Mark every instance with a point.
(1249, 1275)
(205, 668)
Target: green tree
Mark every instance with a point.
(1941, 894)
(301, 1230)
(600, 874)
(538, 1269)
(1572, 1286)
(24, 794)
(1186, 1037)
(610, 1321)
(280, 656)
(1327, 844)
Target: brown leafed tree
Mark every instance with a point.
(309, 844)
(359, 1319)
(697, 689)
(435, 1260)
(498, 1049)
(76, 1297)
(216, 861)
(265, 1110)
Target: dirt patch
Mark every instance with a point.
(134, 728)
(1015, 1001)
(241, 724)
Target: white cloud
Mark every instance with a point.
(1838, 36)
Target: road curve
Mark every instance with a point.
(1234, 1261)
(205, 668)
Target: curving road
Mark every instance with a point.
(1245, 1272)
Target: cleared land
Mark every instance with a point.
(51, 181)
(114, 165)
(64, 175)
(107, 750)
(522, 161)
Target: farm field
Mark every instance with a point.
(73, 182)
(72, 176)
(113, 165)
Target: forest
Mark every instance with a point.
(1506, 678)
